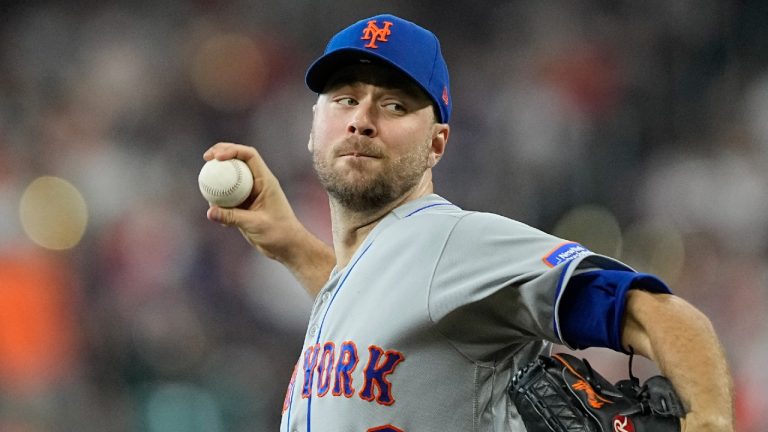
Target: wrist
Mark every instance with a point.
(295, 247)
(696, 423)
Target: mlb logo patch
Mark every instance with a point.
(565, 252)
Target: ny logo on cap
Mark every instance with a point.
(375, 34)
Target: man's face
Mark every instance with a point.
(374, 136)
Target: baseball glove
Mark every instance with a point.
(564, 394)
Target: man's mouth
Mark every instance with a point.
(358, 150)
(359, 155)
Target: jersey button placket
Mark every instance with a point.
(322, 303)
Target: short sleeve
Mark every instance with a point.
(497, 283)
(592, 308)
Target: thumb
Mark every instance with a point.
(224, 216)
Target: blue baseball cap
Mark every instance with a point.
(402, 44)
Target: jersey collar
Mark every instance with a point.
(425, 203)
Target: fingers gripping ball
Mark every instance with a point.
(225, 183)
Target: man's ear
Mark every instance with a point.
(440, 133)
(310, 143)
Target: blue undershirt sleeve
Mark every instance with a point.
(594, 303)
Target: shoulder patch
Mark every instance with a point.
(564, 252)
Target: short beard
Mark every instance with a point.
(371, 194)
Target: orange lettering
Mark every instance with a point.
(591, 395)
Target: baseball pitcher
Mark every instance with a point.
(430, 317)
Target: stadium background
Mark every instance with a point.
(637, 128)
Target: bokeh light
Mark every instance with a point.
(53, 213)
(595, 227)
(229, 71)
(182, 406)
(655, 247)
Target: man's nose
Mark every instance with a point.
(362, 123)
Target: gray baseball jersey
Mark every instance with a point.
(422, 329)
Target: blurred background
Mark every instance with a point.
(637, 128)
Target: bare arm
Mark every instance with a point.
(683, 343)
(268, 222)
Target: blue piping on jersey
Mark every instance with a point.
(426, 207)
(557, 296)
(317, 339)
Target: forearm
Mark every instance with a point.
(269, 224)
(683, 343)
(310, 260)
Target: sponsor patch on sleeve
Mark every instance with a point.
(565, 252)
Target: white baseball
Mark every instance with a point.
(225, 183)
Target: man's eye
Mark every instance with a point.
(347, 101)
(395, 107)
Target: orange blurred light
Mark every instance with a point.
(36, 323)
(229, 72)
